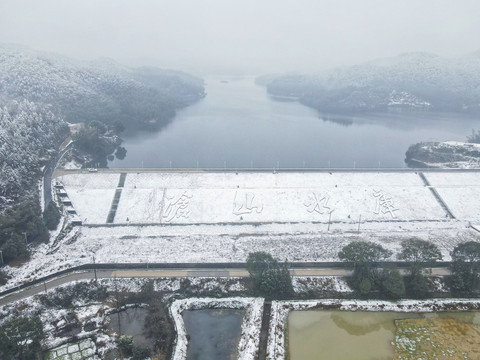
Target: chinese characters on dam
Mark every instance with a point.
(223, 198)
(178, 205)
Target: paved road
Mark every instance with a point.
(260, 170)
(48, 174)
(157, 273)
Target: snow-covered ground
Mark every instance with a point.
(460, 191)
(291, 239)
(226, 243)
(216, 197)
(91, 195)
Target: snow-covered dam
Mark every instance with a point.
(221, 216)
(149, 198)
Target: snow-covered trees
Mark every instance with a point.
(409, 81)
(96, 91)
(20, 337)
(29, 135)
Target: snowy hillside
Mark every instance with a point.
(29, 134)
(100, 90)
(409, 81)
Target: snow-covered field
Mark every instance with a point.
(253, 197)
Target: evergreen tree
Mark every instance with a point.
(14, 248)
(393, 285)
(419, 254)
(269, 278)
(51, 216)
(20, 337)
(465, 267)
(417, 285)
(363, 258)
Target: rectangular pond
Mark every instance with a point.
(361, 335)
(131, 322)
(213, 334)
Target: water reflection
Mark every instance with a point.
(214, 333)
(131, 322)
(239, 126)
(345, 335)
(361, 323)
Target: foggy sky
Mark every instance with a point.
(246, 36)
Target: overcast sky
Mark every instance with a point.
(249, 36)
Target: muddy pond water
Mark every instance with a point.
(343, 335)
(214, 333)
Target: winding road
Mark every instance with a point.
(166, 273)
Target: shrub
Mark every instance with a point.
(393, 285)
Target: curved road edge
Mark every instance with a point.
(114, 271)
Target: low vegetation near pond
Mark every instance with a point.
(436, 338)
(269, 278)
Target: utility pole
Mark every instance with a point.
(329, 220)
(1, 256)
(94, 268)
(359, 220)
(25, 236)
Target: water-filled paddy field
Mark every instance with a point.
(360, 335)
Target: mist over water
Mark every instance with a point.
(238, 125)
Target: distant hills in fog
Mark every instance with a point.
(412, 81)
(101, 90)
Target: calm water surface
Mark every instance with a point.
(131, 322)
(239, 125)
(346, 335)
(214, 334)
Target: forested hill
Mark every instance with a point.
(100, 90)
(29, 134)
(413, 81)
(39, 93)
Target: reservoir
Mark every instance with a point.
(238, 125)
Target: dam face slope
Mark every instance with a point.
(162, 198)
